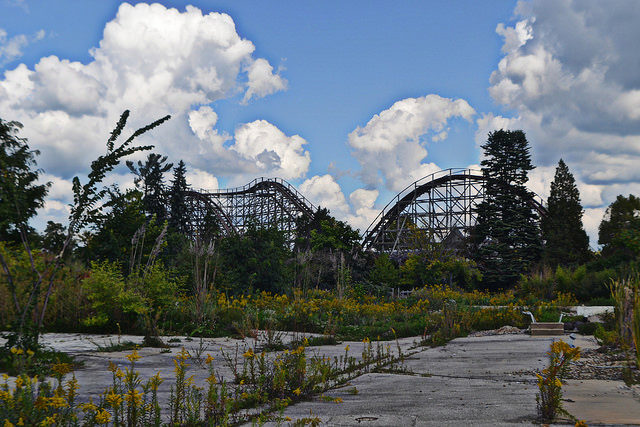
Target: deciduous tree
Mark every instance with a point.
(20, 193)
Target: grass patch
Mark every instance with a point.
(15, 362)
(117, 346)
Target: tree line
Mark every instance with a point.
(512, 246)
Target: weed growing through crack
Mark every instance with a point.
(549, 398)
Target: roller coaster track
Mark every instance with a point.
(267, 203)
(440, 207)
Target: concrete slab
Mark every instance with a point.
(483, 380)
(602, 402)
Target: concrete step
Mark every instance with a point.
(547, 328)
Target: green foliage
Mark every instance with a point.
(566, 242)
(150, 180)
(619, 231)
(115, 299)
(122, 216)
(20, 195)
(54, 237)
(507, 235)
(384, 272)
(549, 398)
(438, 267)
(254, 261)
(84, 209)
(104, 285)
(587, 282)
(177, 203)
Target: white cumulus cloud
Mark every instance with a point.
(271, 150)
(390, 147)
(154, 61)
(262, 80)
(570, 75)
(323, 190)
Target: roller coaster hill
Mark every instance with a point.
(438, 208)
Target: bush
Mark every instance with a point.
(588, 328)
(116, 299)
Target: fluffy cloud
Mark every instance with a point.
(362, 206)
(11, 47)
(359, 212)
(390, 146)
(154, 61)
(574, 87)
(199, 179)
(271, 150)
(326, 192)
(262, 80)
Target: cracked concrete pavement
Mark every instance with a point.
(474, 380)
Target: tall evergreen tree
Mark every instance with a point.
(565, 241)
(177, 202)
(150, 180)
(507, 233)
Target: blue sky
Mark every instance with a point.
(324, 70)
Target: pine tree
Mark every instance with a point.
(507, 234)
(566, 242)
(177, 202)
(150, 179)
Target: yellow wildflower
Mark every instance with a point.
(49, 421)
(244, 395)
(40, 403)
(114, 399)
(30, 353)
(58, 402)
(155, 381)
(5, 377)
(119, 373)
(61, 368)
(103, 416)
(5, 395)
(19, 382)
(183, 355)
(133, 356)
(209, 359)
(337, 400)
(88, 407)
(20, 422)
(133, 397)
(297, 391)
(249, 354)
(346, 348)
(7, 423)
